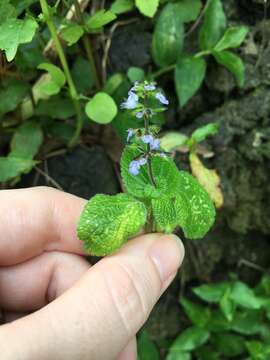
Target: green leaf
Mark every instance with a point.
(214, 25)
(189, 10)
(147, 349)
(14, 32)
(147, 8)
(164, 215)
(229, 345)
(227, 306)
(207, 353)
(113, 83)
(100, 19)
(55, 108)
(11, 95)
(218, 322)
(173, 140)
(247, 322)
(203, 132)
(101, 108)
(233, 38)
(202, 210)
(199, 315)
(135, 74)
(7, 11)
(11, 167)
(72, 33)
(55, 81)
(189, 340)
(165, 174)
(122, 6)
(22, 5)
(258, 350)
(233, 63)
(211, 293)
(168, 38)
(189, 75)
(82, 75)
(26, 141)
(180, 355)
(107, 222)
(244, 296)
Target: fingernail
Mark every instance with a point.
(167, 254)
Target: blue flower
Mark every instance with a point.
(140, 114)
(135, 165)
(131, 132)
(131, 102)
(163, 155)
(147, 139)
(150, 87)
(155, 144)
(162, 99)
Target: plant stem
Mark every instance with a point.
(163, 71)
(72, 89)
(87, 46)
(202, 53)
(149, 160)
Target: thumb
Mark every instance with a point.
(99, 316)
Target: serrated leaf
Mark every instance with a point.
(147, 8)
(100, 19)
(101, 108)
(244, 296)
(107, 222)
(164, 215)
(199, 315)
(229, 345)
(189, 75)
(12, 95)
(72, 33)
(168, 37)
(209, 179)
(121, 6)
(233, 63)
(147, 349)
(202, 210)
(233, 38)
(11, 167)
(14, 32)
(214, 25)
(189, 340)
(26, 141)
(165, 174)
(55, 79)
(211, 293)
(173, 140)
(203, 132)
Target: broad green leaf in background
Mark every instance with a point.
(165, 174)
(14, 32)
(189, 75)
(11, 95)
(247, 322)
(218, 322)
(173, 140)
(7, 11)
(56, 79)
(189, 10)
(230, 345)
(168, 37)
(233, 38)
(122, 6)
(21, 5)
(214, 25)
(258, 350)
(26, 141)
(203, 132)
(72, 33)
(227, 305)
(100, 19)
(233, 63)
(108, 221)
(113, 83)
(244, 296)
(202, 211)
(135, 74)
(209, 179)
(189, 340)
(206, 352)
(164, 215)
(11, 167)
(183, 355)
(147, 349)
(82, 75)
(199, 315)
(101, 108)
(56, 108)
(211, 293)
(147, 8)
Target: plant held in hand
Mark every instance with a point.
(158, 196)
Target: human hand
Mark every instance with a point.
(64, 308)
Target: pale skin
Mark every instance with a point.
(54, 304)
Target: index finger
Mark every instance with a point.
(35, 220)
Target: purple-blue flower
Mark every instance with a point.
(140, 114)
(131, 102)
(130, 134)
(135, 165)
(142, 161)
(147, 139)
(155, 144)
(161, 98)
(150, 87)
(163, 155)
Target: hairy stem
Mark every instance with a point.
(88, 46)
(72, 89)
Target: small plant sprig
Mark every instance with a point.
(158, 196)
